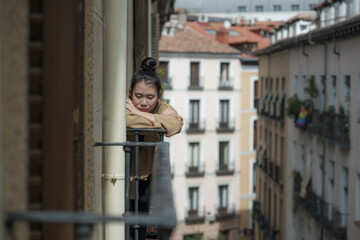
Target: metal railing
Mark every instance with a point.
(195, 126)
(167, 83)
(223, 168)
(225, 212)
(162, 208)
(225, 125)
(225, 84)
(197, 170)
(193, 216)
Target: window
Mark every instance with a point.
(194, 113)
(344, 196)
(296, 84)
(164, 74)
(346, 94)
(223, 155)
(358, 88)
(234, 33)
(194, 156)
(320, 175)
(277, 8)
(330, 187)
(303, 86)
(253, 177)
(241, 8)
(333, 91)
(256, 93)
(193, 201)
(302, 161)
(295, 7)
(294, 155)
(259, 8)
(322, 93)
(194, 74)
(223, 198)
(224, 114)
(224, 75)
(311, 6)
(255, 135)
(357, 199)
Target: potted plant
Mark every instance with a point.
(293, 106)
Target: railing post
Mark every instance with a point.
(136, 178)
(127, 151)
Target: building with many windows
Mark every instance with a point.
(213, 86)
(308, 173)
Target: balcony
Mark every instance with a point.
(331, 127)
(273, 108)
(225, 212)
(195, 170)
(196, 84)
(166, 83)
(324, 213)
(226, 84)
(195, 216)
(225, 168)
(263, 222)
(194, 127)
(163, 211)
(225, 126)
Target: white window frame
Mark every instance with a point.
(251, 176)
(230, 72)
(252, 88)
(200, 200)
(252, 121)
(201, 110)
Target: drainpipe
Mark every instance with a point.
(1, 166)
(114, 122)
(323, 141)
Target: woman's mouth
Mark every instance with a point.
(143, 109)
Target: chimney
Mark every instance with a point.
(182, 16)
(222, 35)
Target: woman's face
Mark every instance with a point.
(144, 96)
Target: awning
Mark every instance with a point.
(278, 104)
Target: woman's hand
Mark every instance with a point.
(130, 106)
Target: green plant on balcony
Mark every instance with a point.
(312, 89)
(297, 186)
(293, 106)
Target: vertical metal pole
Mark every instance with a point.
(161, 134)
(127, 189)
(136, 178)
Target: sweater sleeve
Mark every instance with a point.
(172, 123)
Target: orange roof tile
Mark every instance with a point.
(189, 40)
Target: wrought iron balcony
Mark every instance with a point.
(225, 212)
(225, 126)
(273, 110)
(195, 170)
(225, 168)
(195, 126)
(167, 83)
(324, 213)
(194, 216)
(226, 84)
(163, 211)
(331, 127)
(196, 84)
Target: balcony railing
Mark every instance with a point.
(195, 126)
(163, 213)
(196, 84)
(272, 170)
(324, 213)
(197, 170)
(226, 84)
(225, 125)
(167, 83)
(263, 222)
(273, 109)
(225, 168)
(195, 216)
(225, 212)
(331, 127)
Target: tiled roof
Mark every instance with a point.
(191, 41)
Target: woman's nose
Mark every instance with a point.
(143, 102)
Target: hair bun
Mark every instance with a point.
(148, 64)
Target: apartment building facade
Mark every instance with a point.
(202, 83)
(317, 196)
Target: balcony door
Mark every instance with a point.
(194, 114)
(194, 152)
(194, 74)
(223, 155)
(223, 199)
(224, 114)
(224, 74)
(193, 201)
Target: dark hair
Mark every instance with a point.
(147, 74)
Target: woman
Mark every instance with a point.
(144, 109)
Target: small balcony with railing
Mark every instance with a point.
(195, 216)
(332, 220)
(225, 125)
(272, 170)
(195, 170)
(196, 83)
(166, 83)
(273, 107)
(194, 127)
(162, 217)
(264, 223)
(225, 212)
(224, 168)
(225, 84)
(330, 126)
